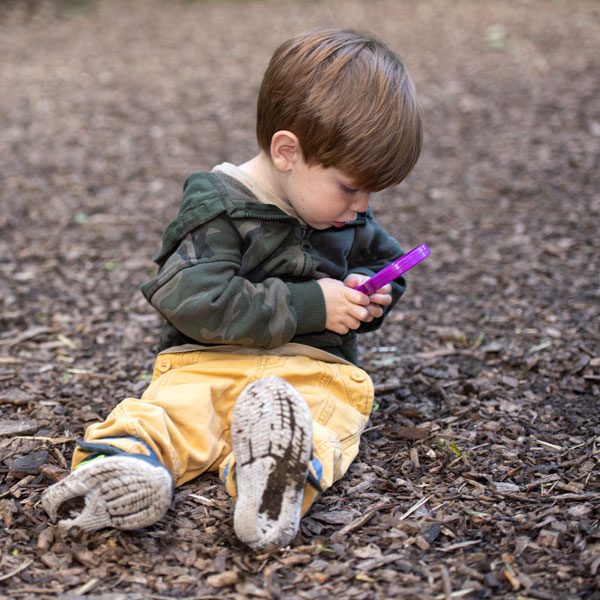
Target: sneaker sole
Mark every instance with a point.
(271, 438)
(119, 491)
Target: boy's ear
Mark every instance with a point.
(285, 150)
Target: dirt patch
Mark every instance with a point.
(478, 475)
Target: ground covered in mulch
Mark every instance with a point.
(478, 474)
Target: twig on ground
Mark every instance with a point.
(16, 570)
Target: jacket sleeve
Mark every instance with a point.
(374, 249)
(200, 291)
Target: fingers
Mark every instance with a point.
(357, 298)
(381, 299)
(375, 311)
(350, 320)
(360, 313)
(359, 310)
(352, 281)
(383, 296)
(347, 308)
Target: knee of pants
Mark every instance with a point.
(187, 450)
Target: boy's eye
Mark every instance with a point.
(348, 190)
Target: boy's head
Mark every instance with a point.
(350, 102)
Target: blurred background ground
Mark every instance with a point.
(478, 475)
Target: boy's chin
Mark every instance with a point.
(320, 226)
(328, 225)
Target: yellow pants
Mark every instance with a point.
(184, 416)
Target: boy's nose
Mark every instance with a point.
(361, 203)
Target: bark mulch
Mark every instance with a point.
(478, 473)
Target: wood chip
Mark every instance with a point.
(24, 336)
(224, 579)
(17, 569)
(415, 507)
(10, 428)
(459, 545)
(365, 518)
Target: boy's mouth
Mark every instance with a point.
(339, 223)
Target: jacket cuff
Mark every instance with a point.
(308, 303)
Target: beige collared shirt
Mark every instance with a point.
(263, 194)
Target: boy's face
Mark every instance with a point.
(322, 197)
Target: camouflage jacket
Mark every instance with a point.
(235, 271)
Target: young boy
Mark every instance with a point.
(256, 376)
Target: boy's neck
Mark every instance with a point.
(264, 172)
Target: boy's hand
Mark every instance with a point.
(346, 308)
(382, 297)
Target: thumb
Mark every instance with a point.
(351, 281)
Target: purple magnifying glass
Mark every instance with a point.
(394, 270)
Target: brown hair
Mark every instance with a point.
(349, 100)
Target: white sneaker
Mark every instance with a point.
(124, 491)
(271, 437)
